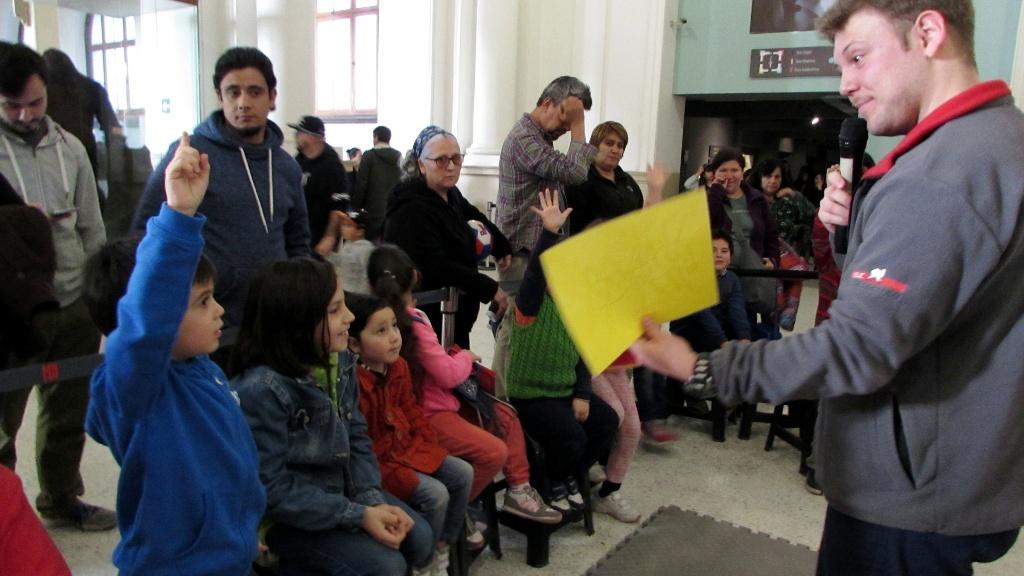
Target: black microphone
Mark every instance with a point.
(853, 139)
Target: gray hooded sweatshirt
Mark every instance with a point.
(56, 176)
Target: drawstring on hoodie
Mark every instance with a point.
(21, 180)
(270, 178)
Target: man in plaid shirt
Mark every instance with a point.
(529, 164)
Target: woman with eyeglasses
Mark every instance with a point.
(427, 217)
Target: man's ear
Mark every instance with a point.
(930, 31)
(219, 97)
(273, 98)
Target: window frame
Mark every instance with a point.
(104, 47)
(353, 115)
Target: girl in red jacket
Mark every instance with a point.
(414, 467)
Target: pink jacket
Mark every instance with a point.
(441, 372)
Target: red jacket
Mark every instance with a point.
(402, 438)
(25, 546)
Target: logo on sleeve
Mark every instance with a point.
(877, 277)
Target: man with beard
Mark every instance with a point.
(49, 169)
(255, 209)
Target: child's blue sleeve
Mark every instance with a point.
(531, 291)
(138, 351)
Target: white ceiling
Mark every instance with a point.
(117, 8)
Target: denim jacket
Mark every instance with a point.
(316, 463)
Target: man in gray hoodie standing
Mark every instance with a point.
(255, 208)
(49, 169)
(919, 443)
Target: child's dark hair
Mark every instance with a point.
(106, 279)
(287, 301)
(721, 234)
(363, 306)
(391, 273)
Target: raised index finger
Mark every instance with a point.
(184, 142)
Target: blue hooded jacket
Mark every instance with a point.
(236, 240)
(189, 497)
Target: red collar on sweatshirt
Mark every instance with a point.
(963, 103)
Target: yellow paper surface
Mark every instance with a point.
(653, 262)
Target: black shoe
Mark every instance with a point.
(811, 485)
(85, 517)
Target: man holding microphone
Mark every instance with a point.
(920, 369)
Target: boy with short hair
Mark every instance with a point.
(189, 497)
(712, 327)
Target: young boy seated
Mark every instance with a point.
(712, 327)
(353, 252)
(189, 497)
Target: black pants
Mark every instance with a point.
(568, 445)
(851, 547)
(652, 394)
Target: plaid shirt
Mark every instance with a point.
(528, 164)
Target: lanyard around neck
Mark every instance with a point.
(252, 183)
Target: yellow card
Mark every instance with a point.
(653, 262)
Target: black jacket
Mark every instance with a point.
(325, 185)
(435, 235)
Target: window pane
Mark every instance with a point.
(333, 65)
(112, 29)
(135, 78)
(342, 4)
(130, 27)
(366, 62)
(365, 3)
(98, 73)
(96, 34)
(117, 77)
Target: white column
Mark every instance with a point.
(463, 71)
(441, 62)
(216, 34)
(286, 34)
(246, 15)
(494, 79)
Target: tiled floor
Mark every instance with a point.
(736, 481)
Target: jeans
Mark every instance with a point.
(441, 497)
(851, 546)
(339, 552)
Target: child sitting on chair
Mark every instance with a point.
(547, 381)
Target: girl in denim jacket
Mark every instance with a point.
(326, 511)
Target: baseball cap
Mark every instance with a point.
(310, 125)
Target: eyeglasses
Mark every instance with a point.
(442, 161)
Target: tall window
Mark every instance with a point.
(346, 60)
(114, 59)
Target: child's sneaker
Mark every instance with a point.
(614, 506)
(474, 537)
(559, 499)
(575, 498)
(441, 562)
(527, 503)
(655, 431)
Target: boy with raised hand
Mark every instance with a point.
(189, 497)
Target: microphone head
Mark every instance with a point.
(853, 132)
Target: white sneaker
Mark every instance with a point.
(616, 507)
(441, 561)
(596, 474)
